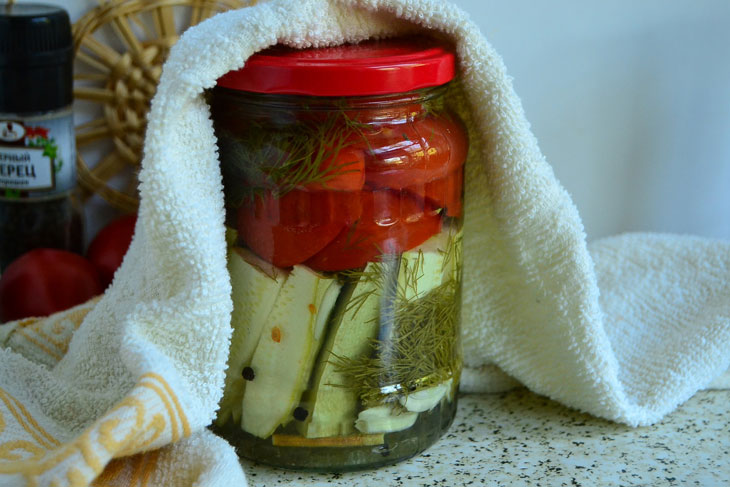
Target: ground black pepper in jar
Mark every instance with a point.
(37, 145)
(342, 171)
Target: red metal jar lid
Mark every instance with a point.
(374, 67)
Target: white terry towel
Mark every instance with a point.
(625, 330)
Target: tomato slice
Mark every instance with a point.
(391, 222)
(345, 171)
(414, 152)
(443, 193)
(380, 109)
(288, 230)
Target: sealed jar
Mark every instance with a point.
(342, 172)
(38, 204)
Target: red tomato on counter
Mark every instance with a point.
(391, 222)
(108, 248)
(45, 281)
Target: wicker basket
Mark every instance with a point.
(121, 84)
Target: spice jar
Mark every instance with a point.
(342, 172)
(37, 147)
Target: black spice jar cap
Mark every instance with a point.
(36, 58)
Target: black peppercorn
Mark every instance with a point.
(248, 373)
(300, 414)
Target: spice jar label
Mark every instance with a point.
(25, 169)
(36, 156)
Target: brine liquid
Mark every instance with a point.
(344, 225)
(350, 369)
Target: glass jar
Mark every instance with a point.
(343, 196)
(38, 203)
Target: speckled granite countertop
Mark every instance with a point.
(519, 438)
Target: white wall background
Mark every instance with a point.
(630, 100)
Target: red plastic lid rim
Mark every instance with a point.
(374, 67)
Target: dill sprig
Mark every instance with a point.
(452, 255)
(373, 274)
(303, 153)
(306, 149)
(421, 352)
(417, 343)
(411, 271)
